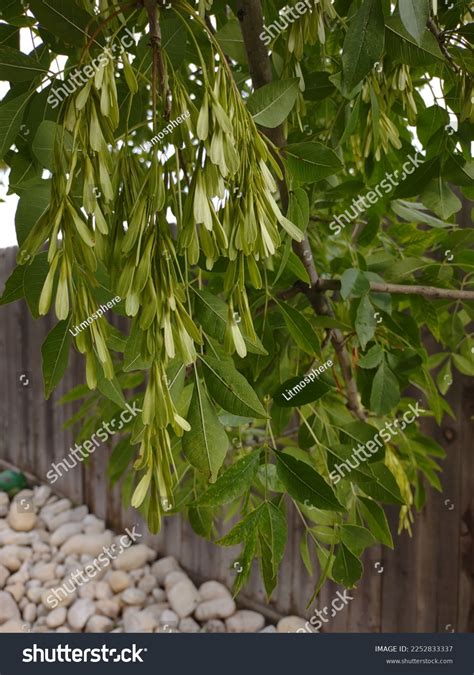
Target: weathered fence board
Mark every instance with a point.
(426, 583)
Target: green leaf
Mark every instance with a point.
(271, 104)
(55, 352)
(272, 530)
(111, 389)
(439, 197)
(200, 519)
(354, 282)
(242, 530)
(311, 162)
(231, 40)
(381, 486)
(43, 143)
(307, 391)
(174, 38)
(11, 117)
(298, 209)
(33, 203)
(136, 344)
(372, 359)
(18, 67)
(357, 431)
(319, 87)
(356, 538)
(64, 19)
(33, 281)
(233, 482)
(75, 394)
(206, 444)
(346, 569)
(300, 329)
(14, 289)
(363, 44)
(385, 390)
(24, 172)
(305, 485)
(414, 15)
(376, 520)
(463, 364)
(403, 47)
(365, 323)
(230, 388)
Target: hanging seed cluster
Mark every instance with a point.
(111, 203)
(310, 28)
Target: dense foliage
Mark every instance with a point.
(323, 164)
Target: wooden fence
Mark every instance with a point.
(426, 583)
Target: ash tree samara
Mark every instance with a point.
(265, 192)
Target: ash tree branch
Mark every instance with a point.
(402, 289)
(249, 13)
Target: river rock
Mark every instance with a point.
(139, 621)
(62, 597)
(147, 583)
(87, 544)
(9, 558)
(290, 624)
(41, 495)
(53, 508)
(4, 574)
(188, 625)
(76, 515)
(56, 617)
(12, 626)
(44, 571)
(210, 590)
(183, 598)
(29, 611)
(87, 590)
(133, 596)
(34, 594)
(245, 621)
(99, 624)
(102, 590)
(8, 607)
(158, 594)
(21, 517)
(134, 557)
(80, 612)
(64, 532)
(219, 608)
(214, 626)
(9, 536)
(168, 619)
(118, 581)
(93, 525)
(110, 608)
(162, 567)
(17, 591)
(173, 578)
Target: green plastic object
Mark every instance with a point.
(12, 482)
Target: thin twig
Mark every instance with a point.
(440, 40)
(402, 289)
